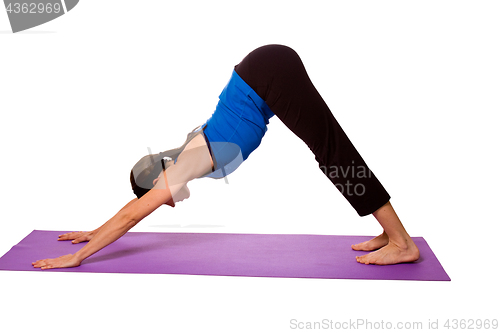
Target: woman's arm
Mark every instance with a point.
(192, 163)
(85, 236)
(113, 229)
(124, 220)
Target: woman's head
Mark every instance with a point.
(145, 171)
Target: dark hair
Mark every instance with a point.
(144, 172)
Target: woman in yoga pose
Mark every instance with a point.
(269, 81)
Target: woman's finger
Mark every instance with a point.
(38, 263)
(78, 240)
(83, 238)
(43, 263)
(69, 235)
(64, 236)
(48, 263)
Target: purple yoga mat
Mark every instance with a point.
(297, 256)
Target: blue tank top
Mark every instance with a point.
(236, 127)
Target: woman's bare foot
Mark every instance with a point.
(394, 244)
(392, 253)
(373, 244)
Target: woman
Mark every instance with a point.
(269, 81)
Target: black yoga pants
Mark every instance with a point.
(278, 76)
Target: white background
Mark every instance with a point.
(414, 84)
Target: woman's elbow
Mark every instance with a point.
(128, 220)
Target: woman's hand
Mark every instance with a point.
(77, 237)
(66, 261)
